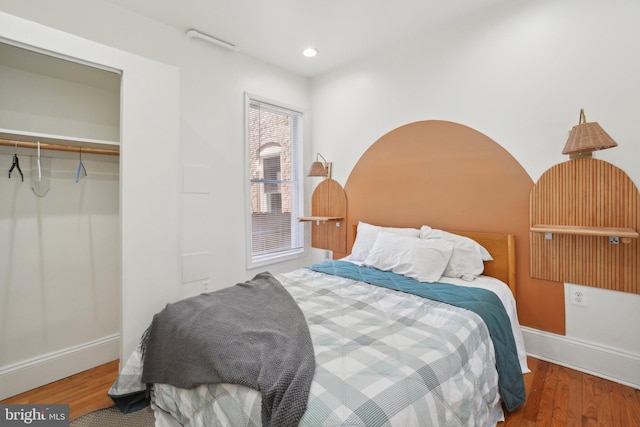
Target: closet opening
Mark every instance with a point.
(60, 227)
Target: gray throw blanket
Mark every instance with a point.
(253, 334)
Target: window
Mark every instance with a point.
(274, 138)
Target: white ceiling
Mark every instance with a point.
(277, 31)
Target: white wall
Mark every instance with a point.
(519, 73)
(40, 102)
(59, 258)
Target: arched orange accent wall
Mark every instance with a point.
(452, 177)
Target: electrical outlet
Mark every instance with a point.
(328, 255)
(205, 286)
(578, 296)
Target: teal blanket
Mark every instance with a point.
(483, 302)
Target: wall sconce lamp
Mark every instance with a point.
(319, 168)
(585, 138)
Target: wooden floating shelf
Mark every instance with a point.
(586, 231)
(320, 218)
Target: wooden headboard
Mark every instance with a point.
(502, 248)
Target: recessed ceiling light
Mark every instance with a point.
(310, 52)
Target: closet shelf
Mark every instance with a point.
(17, 135)
(585, 230)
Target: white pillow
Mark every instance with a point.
(466, 260)
(366, 237)
(422, 259)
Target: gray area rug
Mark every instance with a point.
(112, 417)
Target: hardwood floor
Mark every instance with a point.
(559, 396)
(84, 392)
(556, 396)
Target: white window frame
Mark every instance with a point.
(281, 256)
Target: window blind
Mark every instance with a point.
(274, 138)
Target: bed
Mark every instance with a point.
(385, 355)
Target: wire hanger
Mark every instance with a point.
(16, 163)
(81, 169)
(39, 164)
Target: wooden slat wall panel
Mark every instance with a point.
(586, 192)
(329, 199)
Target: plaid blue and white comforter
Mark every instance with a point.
(384, 358)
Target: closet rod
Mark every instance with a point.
(59, 147)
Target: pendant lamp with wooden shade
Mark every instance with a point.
(585, 138)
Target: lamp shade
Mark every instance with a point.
(318, 169)
(587, 137)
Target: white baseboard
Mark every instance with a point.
(604, 362)
(38, 371)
